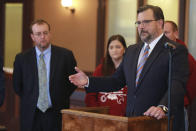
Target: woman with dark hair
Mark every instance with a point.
(116, 47)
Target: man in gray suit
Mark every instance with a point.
(40, 78)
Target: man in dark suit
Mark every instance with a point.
(2, 82)
(40, 78)
(144, 70)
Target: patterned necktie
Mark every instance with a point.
(141, 64)
(43, 95)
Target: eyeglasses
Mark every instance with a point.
(144, 22)
(39, 34)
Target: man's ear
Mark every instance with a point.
(32, 36)
(161, 23)
(176, 34)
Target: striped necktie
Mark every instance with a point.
(43, 102)
(141, 63)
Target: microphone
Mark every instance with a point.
(170, 46)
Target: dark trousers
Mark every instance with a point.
(48, 121)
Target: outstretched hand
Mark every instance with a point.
(79, 79)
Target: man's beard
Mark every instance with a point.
(43, 46)
(147, 38)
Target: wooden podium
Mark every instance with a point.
(80, 120)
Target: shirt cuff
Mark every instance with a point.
(164, 108)
(87, 83)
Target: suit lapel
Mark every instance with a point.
(33, 63)
(53, 63)
(33, 59)
(135, 61)
(153, 56)
(131, 61)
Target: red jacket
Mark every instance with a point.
(191, 83)
(115, 100)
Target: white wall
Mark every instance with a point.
(121, 19)
(76, 32)
(192, 28)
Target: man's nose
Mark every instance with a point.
(141, 26)
(42, 35)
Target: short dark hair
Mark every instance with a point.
(39, 22)
(157, 11)
(174, 25)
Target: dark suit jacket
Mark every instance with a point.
(2, 83)
(153, 83)
(25, 82)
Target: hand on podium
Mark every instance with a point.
(156, 112)
(79, 79)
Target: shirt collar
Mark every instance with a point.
(154, 42)
(46, 51)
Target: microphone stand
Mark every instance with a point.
(169, 86)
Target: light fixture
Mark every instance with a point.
(68, 5)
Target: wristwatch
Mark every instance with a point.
(164, 108)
